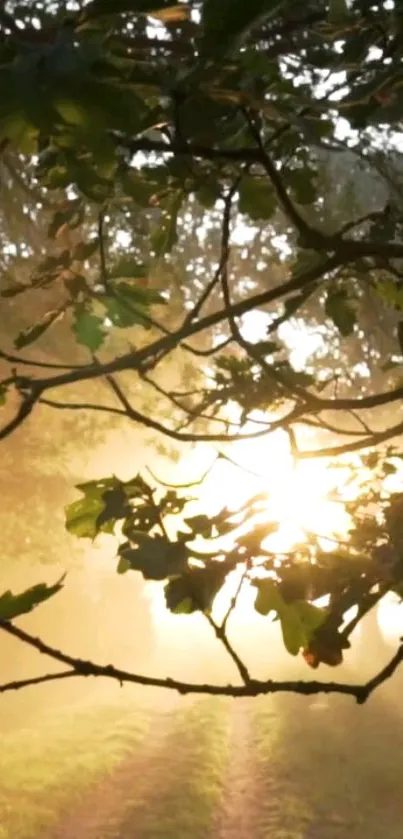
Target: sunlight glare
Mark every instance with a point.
(299, 499)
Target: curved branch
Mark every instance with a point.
(254, 687)
(356, 445)
(49, 365)
(186, 437)
(27, 405)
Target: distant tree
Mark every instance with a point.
(144, 140)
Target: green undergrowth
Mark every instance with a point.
(190, 772)
(329, 769)
(46, 767)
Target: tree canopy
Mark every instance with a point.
(174, 175)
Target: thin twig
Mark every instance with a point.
(29, 362)
(37, 680)
(189, 485)
(234, 599)
(222, 636)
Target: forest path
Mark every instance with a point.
(100, 813)
(283, 767)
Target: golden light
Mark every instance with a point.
(298, 499)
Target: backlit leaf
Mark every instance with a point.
(163, 240)
(196, 589)
(256, 198)
(156, 557)
(13, 605)
(28, 336)
(88, 328)
(340, 311)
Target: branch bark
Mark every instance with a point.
(254, 687)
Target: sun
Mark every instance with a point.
(299, 499)
(300, 495)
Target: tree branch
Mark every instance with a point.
(254, 687)
(356, 445)
(37, 680)
(311, 236)
(222, 636)
(187, 437)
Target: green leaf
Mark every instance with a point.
(391, 293)
(200, 525)
(266, 347)
(71, 111)
(299, 620)
(55, 178)
(13, 605)
(137, 186)
(119, 313)
(72, 215)
(228, 24)
(128, 267)
(268, 598)
(129, 305)
(294, 636)
(123, 566)
(20, 131)
(301, 183)
(165, 237)
(90, 182)
(34, 332)
(256, 198)
(3, 394)
(139, 296)
(82, 517)
(196, 589)
(104, 502)
(339, 310)
(338, 11)
(208, 194)
(156, 557)
(89, 329)
(115, 507)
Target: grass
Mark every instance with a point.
(330, 773)
(320, 774)
(46, 768)
(191, 770)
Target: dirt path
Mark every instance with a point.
(327, 773)
(237, 816)
(102, 810)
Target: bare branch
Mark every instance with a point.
(234, 599)
(37, 680)
(254, 687)
(134, 415)
(356, 445)
(222, 636)
(198, 482)
(310, 236)
(29, 362)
